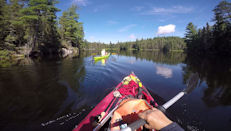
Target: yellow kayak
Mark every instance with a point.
(101, 57)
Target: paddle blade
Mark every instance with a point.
(192, 83)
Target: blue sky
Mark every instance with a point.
(128, 20)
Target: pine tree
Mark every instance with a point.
(71, 30)
(39, 17)
(191, 33)
(16, 26)
(222, 17)
(3, 22)
(222, 27)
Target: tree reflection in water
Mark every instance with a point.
(34, 93)
(171, 58)
(44, 91)
(216, 73)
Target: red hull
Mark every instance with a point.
(110, 101)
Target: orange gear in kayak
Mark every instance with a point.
(128, 112)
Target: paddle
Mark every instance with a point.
(191, 84)
(116, 95)
(105, 119)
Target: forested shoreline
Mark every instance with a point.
(31, 28)
(156, 43)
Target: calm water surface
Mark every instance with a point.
(57, 94)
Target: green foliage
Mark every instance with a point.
(216, 39)
(222, 27)
(94, 45)
(6, 58)
(16, 26)
(158, 43)
(32, 25)
(40, 19)
(222, 17)
(191, 36)
(191, 33)
(71, 30)
(3, 22)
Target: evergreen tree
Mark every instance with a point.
(191, 32)
(159, 43)
(222, 17)
(191, 36)
(208, 36)
(16, 25)
(222, 27)
(39, 17)
(3, 22)
(71, 30)
(214, 39)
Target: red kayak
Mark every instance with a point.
(120, 107)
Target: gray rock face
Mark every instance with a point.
(70, 51)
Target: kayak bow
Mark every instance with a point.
(121, 105)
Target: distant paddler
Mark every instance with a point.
(103, 52)
(104, 55)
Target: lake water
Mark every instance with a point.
(57, 94)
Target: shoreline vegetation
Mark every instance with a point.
(211, 40)
(165, 44)
(116, 49)
(31, 29)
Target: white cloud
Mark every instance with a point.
(163, 71)
(166, 29)
(172, 10)
(80, 2)
(126, 28)
(132, 36)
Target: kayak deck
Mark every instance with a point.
(130, 87)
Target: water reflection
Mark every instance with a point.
(216, 73)
(164, 71)
(102, 61)
(33, 94)
(62, 92)
(171, 58)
